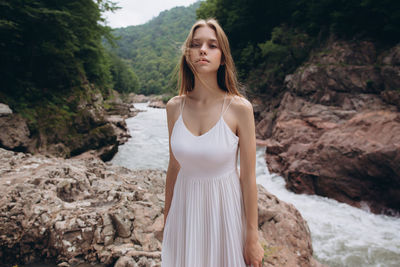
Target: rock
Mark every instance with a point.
(391, 57)
(347, 67)
(98, 130)
(120, 128)
(5, 110)
(311, 78)
(58, 150)
(122, 225)
(155, 101)
(391, 78)
(138, 98)
(265, 125)
(391, 97)
(71, 210)
(333, 135)
(346, 53)
(92, 126)
(284, 234)
(14, 134)
(118, 109)
(122, 106)
(106, 153)
(86, 126)
(390, 71)
(346, 155)
(157, 104)
(260, 142)
(89, 118)
(125, 262)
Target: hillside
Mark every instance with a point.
(153, 48)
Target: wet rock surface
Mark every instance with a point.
(87, 211)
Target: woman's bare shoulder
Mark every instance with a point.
(241, 105)
(173, 104)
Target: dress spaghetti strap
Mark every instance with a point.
(183, 103)
(223, 104)
(227, 106)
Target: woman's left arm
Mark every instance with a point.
(247, 142)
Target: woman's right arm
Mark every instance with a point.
(172, 109)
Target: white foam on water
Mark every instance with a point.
(342, 235)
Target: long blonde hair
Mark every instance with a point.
(226, 76)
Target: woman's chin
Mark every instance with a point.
(204, 70)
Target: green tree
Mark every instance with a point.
(123, 77)
(52, 45)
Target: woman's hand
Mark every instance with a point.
(253, 252)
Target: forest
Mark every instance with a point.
(51, 48)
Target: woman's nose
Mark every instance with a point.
(203, 48)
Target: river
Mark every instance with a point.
(342, 236)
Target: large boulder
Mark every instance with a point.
(14, 134)
(284, 233)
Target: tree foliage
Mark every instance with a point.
(124, 79)
(270, 38)
(253, 20)
(153, 49)
(52, 45)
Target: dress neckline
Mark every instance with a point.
(198, 136)
(220, 120)
(212, 128)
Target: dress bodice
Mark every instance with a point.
(212, 153)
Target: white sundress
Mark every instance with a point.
(206, 224)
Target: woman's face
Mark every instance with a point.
(205, 53)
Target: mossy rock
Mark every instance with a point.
(96, 138)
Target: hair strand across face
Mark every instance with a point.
(226, 75)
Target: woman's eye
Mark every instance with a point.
(198, 45)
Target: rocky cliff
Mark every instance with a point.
(335, 131)
(82, 121)
(85, 210)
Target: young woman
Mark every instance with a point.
(210, 215)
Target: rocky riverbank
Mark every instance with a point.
(154, 101)
(85, 210)
(335, 131)
(85, 123)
